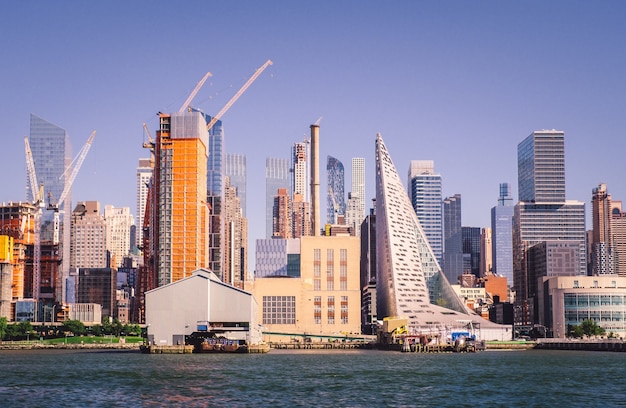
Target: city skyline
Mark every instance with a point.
(454, 83)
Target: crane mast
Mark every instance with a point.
(238, 94)
(37, 192)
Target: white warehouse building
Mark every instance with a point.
(200, 302)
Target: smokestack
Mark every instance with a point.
(315, 180)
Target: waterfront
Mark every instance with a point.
(350, 378)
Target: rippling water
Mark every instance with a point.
(312, 378)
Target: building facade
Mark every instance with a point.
(144, 174)
(502, 234)
(235, 169)
(118, 222)
(336, 202)
(602, 248)
(276, 176)
(358, 186)
(426, 195)
(453, 238)
(88, 237)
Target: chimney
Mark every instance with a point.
(315, 180)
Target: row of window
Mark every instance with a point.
(282, 310)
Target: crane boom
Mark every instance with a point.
(80, 158)
(238, 94)
(32, 176)
(194, 92)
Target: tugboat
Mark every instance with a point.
(206, 342)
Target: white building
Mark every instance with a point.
(200, 301)
(144, 174)
(118, 222)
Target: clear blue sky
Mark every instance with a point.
(457, 82)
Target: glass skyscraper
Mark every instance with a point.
(336, 202)
(502, 235)
(52, 154)
(453, 240)
(425, 193)
(277, 176)
(542, 213)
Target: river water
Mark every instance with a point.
(351, 378)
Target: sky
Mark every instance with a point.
(457, 82)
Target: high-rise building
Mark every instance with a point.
(98, 285)
(235, 238)
(281, 219)
(88, 237)
(502, 234)
(118, 222)
(52, 154)
(471, 250)
(358, 184)
(179, 208)
(453, 239)
(336, 202)
(354, 215)
(602, 248)
(235, 170)
(276, 176)
(300, 166)
(300, 217)
(406, 266)
(144, 174)
(541, 167)
(618, 232)
(215, 194)
(486, 256)
(542, 214)
(425, 193)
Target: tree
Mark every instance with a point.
(3, 327)
(591, 328)
(75, 326)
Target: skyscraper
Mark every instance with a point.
(542, 214)
(502, 235)
(276, 176)
(453, 239)
(405, 262)
(425, 193)
(358, 184)
(180, 213)
(602, 248)
(88, 237)
(541, 167)
(52, 154)
(618, 236)
(215, 194)
(299, 163)
(144, 174)
(471, 250)
(235, 170)
(281, 219)
(336, 202)
(235, 238)
(118, 222)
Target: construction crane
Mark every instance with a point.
(150, 143)
(80, 158)
(37, 192)
(238, 94)
(194, 92)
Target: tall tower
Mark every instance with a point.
(88, 237)
(276, 176)
(118, 222)
(542, 214)
(181, 213)
(453, 239)
(601, 245)
(299, 163)
(336, 202)
(541, 167)
(215, 194)
(52, 154)
(235, 238)
(425, 192)
(144, 174)
(281, 219)
(502, 235)
(358, 184)
(618, 236)
(315, 180)
(235, 170)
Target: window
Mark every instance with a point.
(279, 310)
